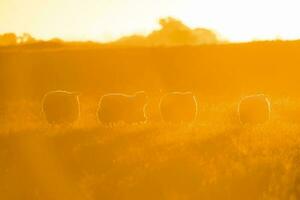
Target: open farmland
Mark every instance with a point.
(215, 157)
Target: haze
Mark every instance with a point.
(106, 20)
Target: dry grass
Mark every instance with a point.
(215, 158)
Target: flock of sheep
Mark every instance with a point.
(62, 107)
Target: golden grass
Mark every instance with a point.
(214, 158)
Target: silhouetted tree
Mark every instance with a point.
(26, 38)
(172, 32)
(8, 39)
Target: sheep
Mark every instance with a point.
(61, 107)
(117, 107)
(178, 107)
(254, 109)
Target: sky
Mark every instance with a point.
(106, 20)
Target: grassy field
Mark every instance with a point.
(214, 158)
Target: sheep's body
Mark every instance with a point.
(254, 109)
(179, 107)
(116, 107)
(61, 107)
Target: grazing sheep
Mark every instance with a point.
(179, 107)
(116, 107)
(61, 107)
(254, 109)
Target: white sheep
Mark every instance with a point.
(117, 107)
(179, 107)
(61, 107)
(254, 109)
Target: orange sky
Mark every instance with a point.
(105, 20)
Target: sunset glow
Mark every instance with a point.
(149, 100)
(106, 20)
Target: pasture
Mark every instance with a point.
(215, 157)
